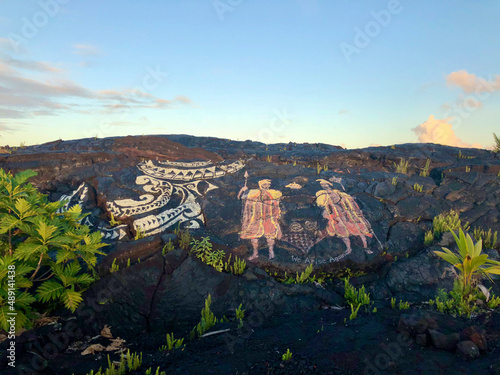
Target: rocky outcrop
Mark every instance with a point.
(331, 207)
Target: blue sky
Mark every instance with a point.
(279, 71)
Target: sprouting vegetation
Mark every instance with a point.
(355, 298)
(114, 222)
(402, 167)
(184, 239)
(425, 170)
(429, 238)
(488, 238)
(149, 371)
(129, 362)
(394, 181)
(208, 320)
(448, 221)
(172, 343)
(114, 267)
(287, 356)
(240, 314)
(418, 188)
(139, 233)
(169, 246)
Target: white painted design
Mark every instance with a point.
(164, 180)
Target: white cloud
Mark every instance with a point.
(441, 132)
(470, 83)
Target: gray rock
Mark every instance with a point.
(444, 341)
(468, 350)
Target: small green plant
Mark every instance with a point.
(456, 302)
(240, 314)
(355, 298)
(22, 145)
(269, 158)
(488, 238)
(393, 147)
(429, 238)
(448, 221)
(128, 262)
(169, 246)
(114, 222)
(496, 147)
(114, 267)
(172, 343)
(204, 251)
(469, 261)
(158, 372)
(494, 302)
(318, 168)
(208, 319)
(239, 266)
(393, 302)
(325, 167)
(295, 163)
(129, 362)
(374, 311)
(425, 170)
(139, 233)
(418, 188)
(467, 169)
(404, 305)
(394, 181)
(354, 312)
(184, 239)
(287, 356)
(304, 276)
(402, 167)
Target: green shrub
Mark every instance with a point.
(469, 261)
(46, 245)
(204, 251)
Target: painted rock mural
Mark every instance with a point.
(278, 205)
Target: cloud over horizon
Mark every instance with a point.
(32, 88)
(441, 132)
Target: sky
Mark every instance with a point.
(354, 73)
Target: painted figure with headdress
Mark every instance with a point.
(261, 212)
(344, 216)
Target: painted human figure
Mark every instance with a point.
(260, 216)
(344, 216)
